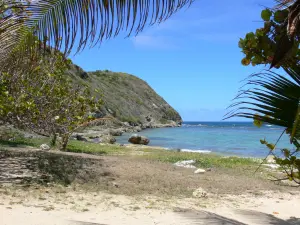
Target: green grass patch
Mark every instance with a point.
(73, 146)
(93, 148)
(22, 142)
(167, 156)
(202, 160)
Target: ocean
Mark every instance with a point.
(227, 138)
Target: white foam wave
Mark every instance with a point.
(194, 125)
(196, 151)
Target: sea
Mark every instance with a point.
(227, 138)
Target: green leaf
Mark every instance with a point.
(245, 62)
(250, 36)
(271, 146)
(286, 153)
(257, 121)
(267, 26)
(263, 142)
(280, 16)
(296, 175)
(293, 159)
(257, 60)
(266, 14)
(260, 32)
(241, 43)
(296, 126)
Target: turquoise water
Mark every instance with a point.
(230, 138)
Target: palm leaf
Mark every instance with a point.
(273, 95)
(65, 24)
(296, 127)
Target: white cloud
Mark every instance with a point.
(152, 41)
(201, 22)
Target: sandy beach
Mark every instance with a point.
(47, 207)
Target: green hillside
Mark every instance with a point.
(127, 98)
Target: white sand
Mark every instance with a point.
(76, 208)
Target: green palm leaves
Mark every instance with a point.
(68, 24)
(271, 98)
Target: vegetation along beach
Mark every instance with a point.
(172, 112)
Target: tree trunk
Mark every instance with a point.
(53, 139)
(64, 142)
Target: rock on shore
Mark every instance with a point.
(137, 139)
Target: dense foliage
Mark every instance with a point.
(45, 101)
(269, 97)
(276, 42)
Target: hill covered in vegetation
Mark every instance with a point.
(127, 98)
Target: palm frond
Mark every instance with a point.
(295, 133)
(65, 24)
(17, 41)
(282, 4)
(271, 98)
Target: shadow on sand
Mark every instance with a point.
(249, 217)
(73, 222)
(193, 217)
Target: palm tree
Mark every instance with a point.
(68, 24)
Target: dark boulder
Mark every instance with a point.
(80, 138)
(139, 140)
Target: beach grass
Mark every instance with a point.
(73, 146)
(93, 148)
(202, 160)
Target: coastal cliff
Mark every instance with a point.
(127, 98)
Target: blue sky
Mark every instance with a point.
(192, 60)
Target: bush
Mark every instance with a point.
(163, 121)
(9, 133)
(131, 120)
(45, 101)
(170, 115)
